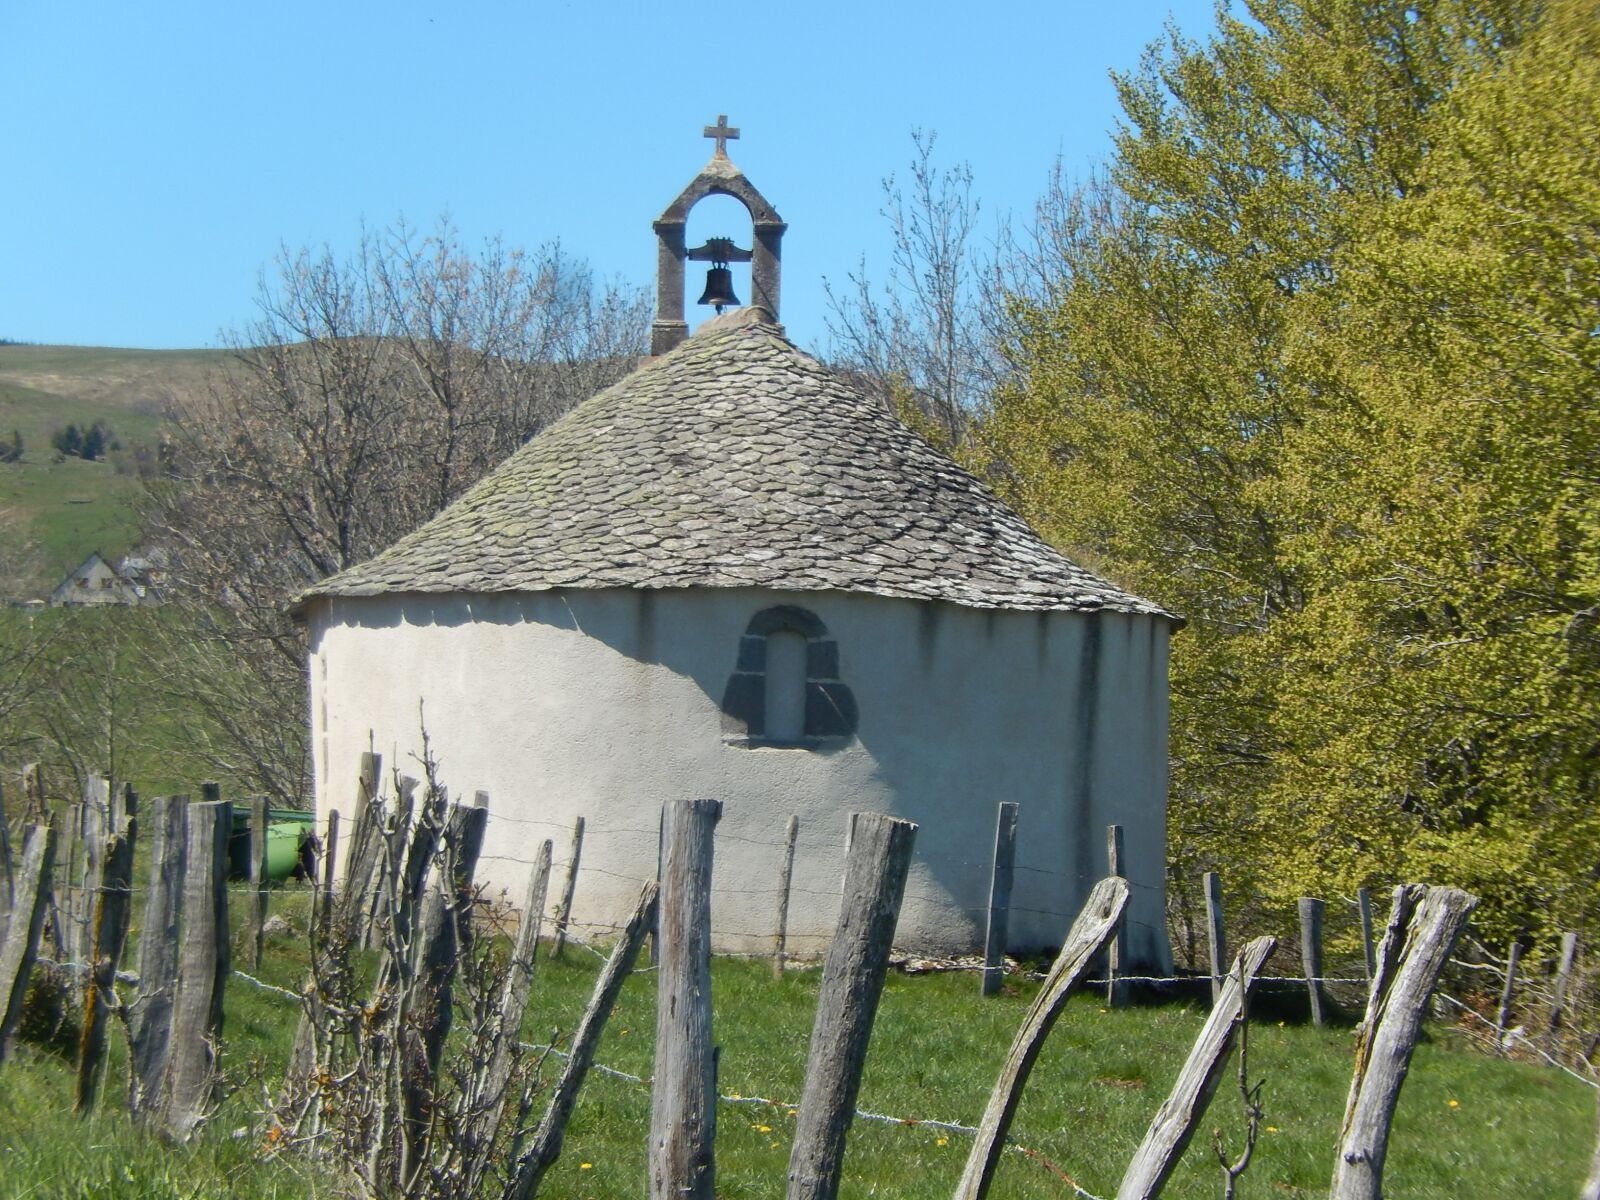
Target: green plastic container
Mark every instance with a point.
(287, 832)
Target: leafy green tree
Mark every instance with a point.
(1185, 345)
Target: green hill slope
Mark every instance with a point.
(53, 513)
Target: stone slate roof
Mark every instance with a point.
(734, 461)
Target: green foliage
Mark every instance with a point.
(1316, 371)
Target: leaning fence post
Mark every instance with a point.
(847, 1002)
(202, 969)
(1503, 1013)
(21, 945)
(1423, 925)
(682, 1098)
(1102, 913)
(255, 911)
(780, 939)
(530, 1165)
(330, 854)
(1000, 880)
(1116, 990)
(1569, 956)
(1311, 910)
(150, 1013)
(1175, 1121)
(110, 907)
(1364, 907)
(568, 887)
(34, 810)
(6, 890)
(1216, 939)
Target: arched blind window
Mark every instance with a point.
(785, 690)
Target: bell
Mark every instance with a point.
(719, 289)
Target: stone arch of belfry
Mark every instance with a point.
(719, 177)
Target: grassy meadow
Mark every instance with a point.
(60, 511)
(1468, 1126)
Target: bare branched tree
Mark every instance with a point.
(929, 340)
(368, 393)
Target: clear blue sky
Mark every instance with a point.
(157, 155)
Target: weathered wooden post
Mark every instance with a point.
(255, 912)
(1569, 957)
(1116, 990)
(655, 931)
(34, 811)
(1096, 924)
(1364, 908)
(1423, 926)
(1175, 1122)
(847, 1002)
(202, 970)
(1311, 912)
(1502, 1014)
(150, 1013)
(682, 1097)
(366, 844)
(780, 939)
(483, 1101)
(330, 856)
(1216, 937)
(545, 1147)
(6, 889)
(111, 895)
(21, 945)
(569, 887)
(1001, 876)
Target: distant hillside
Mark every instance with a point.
(52, 514)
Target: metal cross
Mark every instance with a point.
(723, 133)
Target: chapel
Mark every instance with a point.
(735, 575)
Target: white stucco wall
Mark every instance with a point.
(606, 703)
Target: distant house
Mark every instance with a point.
(96, 583)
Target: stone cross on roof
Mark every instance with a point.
(723, 134)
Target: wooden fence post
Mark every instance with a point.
(1116, 990)
(21, 945)
(1000, 880)
(847, 1002)
(1311, 912)
(1101, 915)
(202, 970)
(1502, 1014)
(1216, 937)
(330, 856)
(1423, 926)
(780, 939)
(361, 859)
(111, 897)
(482, 1105)
(7, 891)
(546, 1145)
(568, 887)
(1174, 1123)
(682, 1096)
(94, 823)
(1569, 957)
(255, 912)
(1364, 907)
(34, 810)
(150, 1013)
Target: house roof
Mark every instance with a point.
(736, 460)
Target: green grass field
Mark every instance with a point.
(62, 511)
(1468, 1126)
